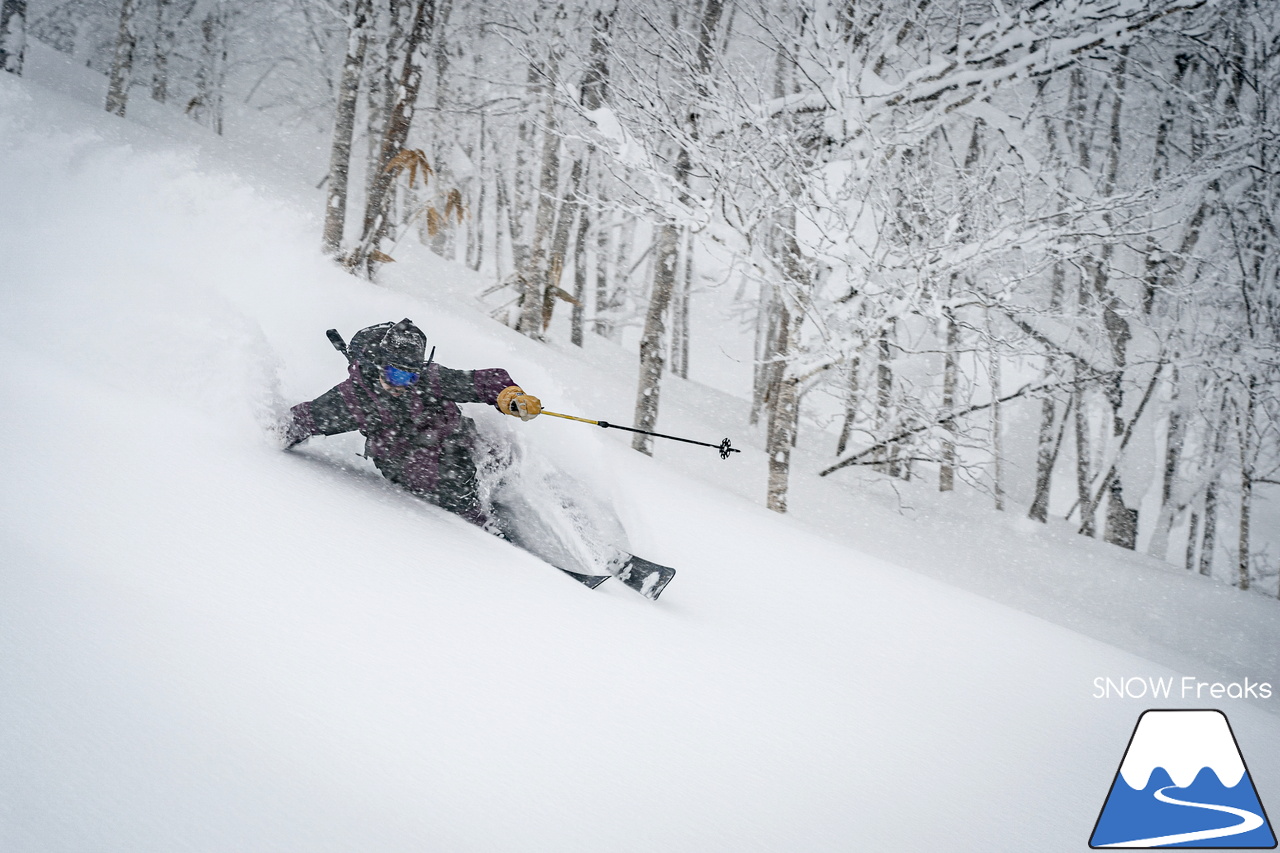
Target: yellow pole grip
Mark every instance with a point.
(570, 417)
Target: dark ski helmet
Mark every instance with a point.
(403, 346)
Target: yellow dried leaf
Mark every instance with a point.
(433, 221)
(566, 296)
(454, 204)
(381, 257)
(412, 159)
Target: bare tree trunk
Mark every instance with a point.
(997, 429)
(122, 64)
(610, 298)
(443, 242)
(335, 209)
(386, 33)
(947, 470)
(851, 402)
(1078, 130)
(220, 66)
(206, 106)
(375, 113)
(1047, 445)
(884, 395)
(1084, 476)
(569, 209)
(1155, 276)
(578, 316)
(165, 37)
(1209, 542)
(476, 231)
(595, 80)
(604, 232)
(377, 202)
(684, 297)
(502, 217)
(653, 339)
(1246, 509)
(784, 403)
(13, 35)
(884, 375)
(522, 193)
(535, 279)
(680, 310)
(1246, 482)
(1210, 527)
(1174, 434)
(1122, 521)
(784, 420)
(667, 255)
(593, 95)
(1193, 536)
(767, 364)
(1121, 526)
(1045, 458)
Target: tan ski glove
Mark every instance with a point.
(513, 401)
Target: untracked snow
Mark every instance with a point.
(209, 644)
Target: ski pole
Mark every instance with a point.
(338, 343)
(724, 447)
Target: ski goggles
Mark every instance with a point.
(398, 378)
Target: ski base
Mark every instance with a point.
(589, 581)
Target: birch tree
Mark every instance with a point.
(344, 121)
(207, 105)
(377, 219)
(666, 244)
(924, 85)
(122, 64)
(13, 35)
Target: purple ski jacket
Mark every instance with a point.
(418, 437)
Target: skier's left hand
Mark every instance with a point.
(292, 431)
(512, 400)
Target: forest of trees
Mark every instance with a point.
(937, 215)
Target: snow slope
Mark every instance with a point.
(208, 644)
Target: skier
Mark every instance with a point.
(415, 433)
(406, 407)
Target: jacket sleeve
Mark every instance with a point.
(328, 414)
(473, 386)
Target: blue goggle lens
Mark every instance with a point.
(399, 378)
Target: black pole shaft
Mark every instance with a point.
(725, 447)
(607, 425)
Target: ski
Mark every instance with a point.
(589, 581)
(645, 577)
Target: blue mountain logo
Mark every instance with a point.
(1183, 783)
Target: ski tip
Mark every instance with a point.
(656, 583)
(646, 577)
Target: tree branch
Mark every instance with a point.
(856, 459)
(1088, 511)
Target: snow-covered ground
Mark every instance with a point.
(208, 644)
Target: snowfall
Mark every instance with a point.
(209, 644)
